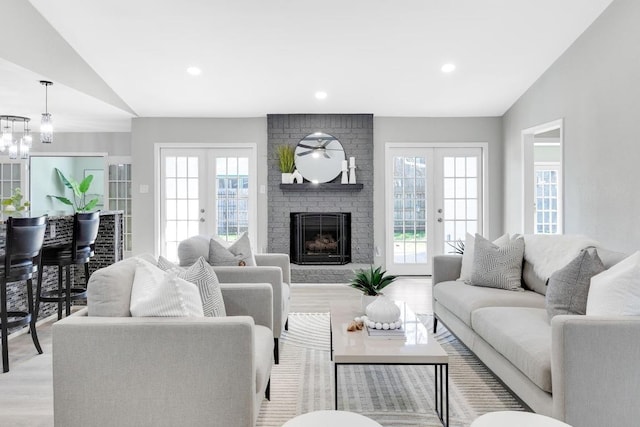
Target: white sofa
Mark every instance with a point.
(271, 268)
(580, 369)
(110, 369)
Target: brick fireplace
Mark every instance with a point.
(355, 133)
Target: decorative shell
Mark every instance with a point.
(383, 310)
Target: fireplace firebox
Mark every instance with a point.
(320, 238)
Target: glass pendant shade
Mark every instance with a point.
(15, 144)
(46, 128)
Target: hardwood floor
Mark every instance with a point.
(26, 391)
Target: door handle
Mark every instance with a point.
(439, 219)
(201, 210)
(201, 219)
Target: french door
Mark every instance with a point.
(208, 191)
(433, 197)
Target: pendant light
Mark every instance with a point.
(11, 143)
(46, 123)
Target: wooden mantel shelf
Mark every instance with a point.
(330, 186)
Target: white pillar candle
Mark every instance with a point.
(352, 162)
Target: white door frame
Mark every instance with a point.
(253, 182)
(484, 146)
(528, 185)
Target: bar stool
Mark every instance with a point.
(21, 260)
(79, 251)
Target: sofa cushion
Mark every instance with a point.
(263, 354)
(462, 299)
(522, 335)
(236, 253)
(469, 252)
(202, 275)
(498, 266)
(109, 289)
(568, 287)
(546, 253)
(158, 294)
(616, 291)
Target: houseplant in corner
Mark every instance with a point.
(371, 282)
(79, 189)
(286, 162)
(14, 203)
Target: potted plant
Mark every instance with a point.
(79, 189)
(14, 203)
(286, 162)
(371, 282)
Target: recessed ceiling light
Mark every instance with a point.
(194, 71)
(447, 68)
(321, 95)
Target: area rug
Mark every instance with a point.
(392, 395)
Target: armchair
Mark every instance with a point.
(113, 370)
(274, 269)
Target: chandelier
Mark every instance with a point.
(16, 145)
(46, 123)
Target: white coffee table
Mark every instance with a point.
(516, 418)
(331, 418)
(418, 348)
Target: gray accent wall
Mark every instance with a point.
(595, 87)
(355, 133)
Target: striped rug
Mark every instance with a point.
(392, 395)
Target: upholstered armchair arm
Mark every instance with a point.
(446, 268)
(271, 275)
(249, 299)
(594, 370)
(277, 260)
(154, 371)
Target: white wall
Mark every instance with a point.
(148, 131)
(594, 86)
(437, 130)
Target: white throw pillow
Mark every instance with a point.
(616, 291)
(469, 253)
(237, 253)
(158, 294)
(202, 275)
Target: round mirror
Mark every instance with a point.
(319, 157)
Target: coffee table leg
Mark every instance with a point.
(446, 378)
(335, 384)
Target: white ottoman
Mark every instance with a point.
(516, 418)
(331, 418)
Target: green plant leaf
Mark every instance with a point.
(7, 202)
(84, 185)
(64, 179)
(89, 206)
(62, 199)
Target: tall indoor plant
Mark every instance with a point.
(371, 282)
(79, 190)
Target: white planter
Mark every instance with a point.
(287, 178)
(365, 300)
(383, 310)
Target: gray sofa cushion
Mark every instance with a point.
(520, 334)
(463, 299)
(109, 289)
(191, 249)
(569, 287)
(498, 266)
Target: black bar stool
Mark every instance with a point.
(21, 260)
(79, 251)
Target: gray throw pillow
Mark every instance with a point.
(568, 287)
(203, 276)
(498, 266)
(238, 253)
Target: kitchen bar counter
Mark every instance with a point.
(109, 249)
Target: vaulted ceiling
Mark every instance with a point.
(117, 59)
